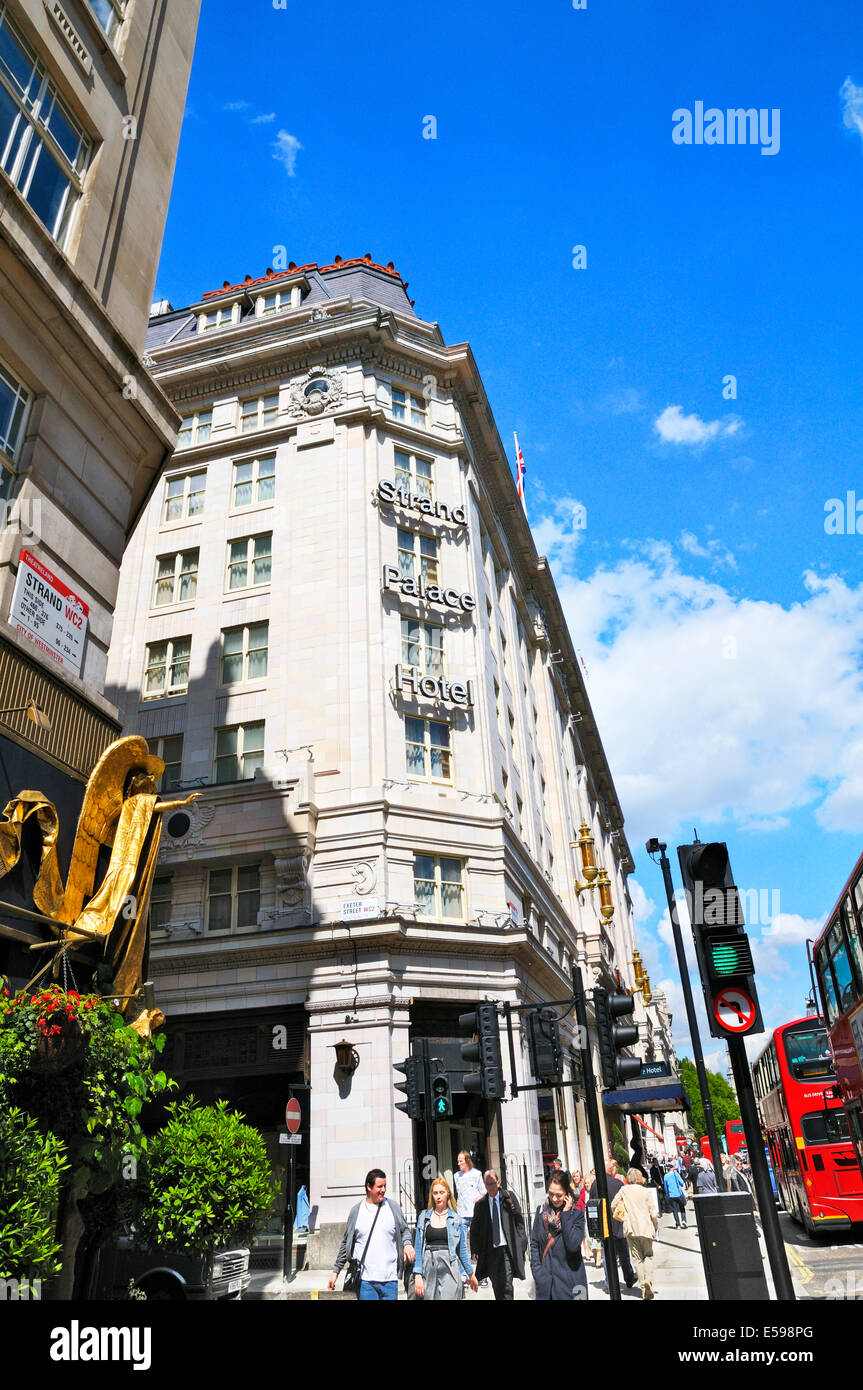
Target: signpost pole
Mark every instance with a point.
(760, 1176)
(292, 1120)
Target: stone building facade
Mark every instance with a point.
(333, 621)
(91, 103)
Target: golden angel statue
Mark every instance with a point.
(122, 810)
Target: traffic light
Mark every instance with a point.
(616, 1071)
(721, 945)
(441, 1102)
(484, 1048)
(543, 1041)
(412, 1104)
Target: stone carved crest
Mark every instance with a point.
(319, 390)
(365, 877)
(292, 879)
(183, 832)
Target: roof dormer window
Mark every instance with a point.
(219, 318)
(277, 301)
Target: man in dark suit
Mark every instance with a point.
(497, 1237)
(614, 1184)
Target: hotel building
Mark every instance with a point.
(332, 620)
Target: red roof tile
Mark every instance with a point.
(292, 269)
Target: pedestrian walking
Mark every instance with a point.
(469, 1187)
(634, 1208)
(593, 1247)
(705, 1181)
(442, 1256)
(376, 1241)
(497, 1237)
(675, 1193)
(620, 1247)
(555, 1245)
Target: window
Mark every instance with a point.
(167, 670)
(161, 902)
(216, 318)
(438, 886)
(808, 1054)
(413, 474)
(427, 744)
(250, 561)
(418, 554)
(42, 148)
(244, 653)
(408, 404)
(422, 646)
(239, 752)
(258, 412)
(846, 989)
(254, 481)
(170, 750)
(184, 497)
(852, 932)
(275, 302)
(195, 429)
(14, 400)
(233, 897)
(825, 1127)
(176, 578)
(108, 12)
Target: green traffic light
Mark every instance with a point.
(440, 1104)
(726, 960)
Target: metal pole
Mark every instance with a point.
(429, 1128)
(760, 1176)
(698, 1057)
(595, 1141)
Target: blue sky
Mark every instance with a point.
(721, 626)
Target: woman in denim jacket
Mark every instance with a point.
(441, 1249)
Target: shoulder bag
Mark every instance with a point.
(354, 1273)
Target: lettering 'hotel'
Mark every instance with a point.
(332, 620)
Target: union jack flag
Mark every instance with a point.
(520, 471)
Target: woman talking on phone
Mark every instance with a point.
(555, 1245)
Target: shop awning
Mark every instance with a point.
(648, 1096)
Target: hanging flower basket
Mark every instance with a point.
(57, 1051)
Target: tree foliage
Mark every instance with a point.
(722, 1098)
(31, 1165)
(206, 1180)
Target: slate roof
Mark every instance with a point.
(360, 277)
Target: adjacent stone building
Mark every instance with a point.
(91, 103)
(333, 621)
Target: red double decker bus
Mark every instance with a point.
(838, 957)
(734, 1137)
(815, 1168)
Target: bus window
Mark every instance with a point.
(845, 985)
(858, 894)
(825, 1127)
(808, 1054)
(853, 932)
(825, 980)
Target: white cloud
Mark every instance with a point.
(559, 533)
(712, 550)
(643, 907)
(852, 106)
(285, 149)
(236, 106)
(782, 944)
(686, 675)
(264, 120)
(673, 427)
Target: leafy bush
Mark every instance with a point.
(31, 1164)
(206, 1180)
(93, 1106)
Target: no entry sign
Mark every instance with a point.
(292, 1116)
(734, 1010)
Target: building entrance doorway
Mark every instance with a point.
(451, 1136)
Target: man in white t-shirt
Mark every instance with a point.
(469, 1187)
(377, 1235)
